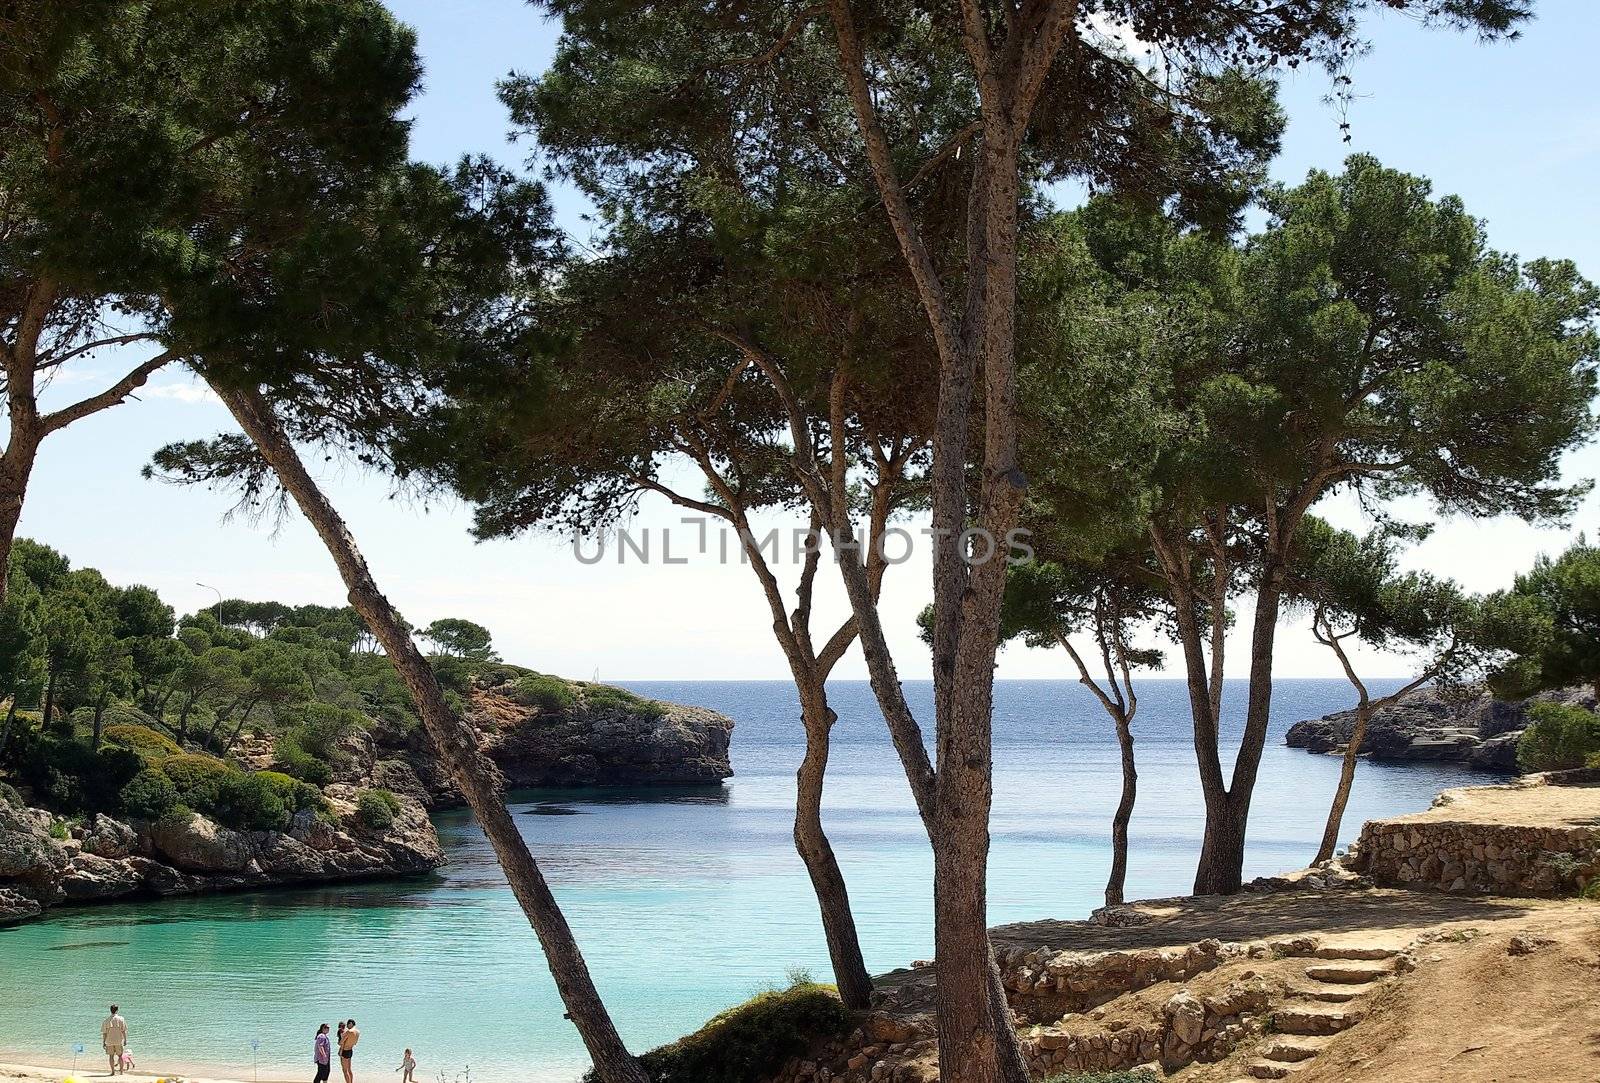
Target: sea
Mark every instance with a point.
(685, 901)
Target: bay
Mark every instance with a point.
(685, 901)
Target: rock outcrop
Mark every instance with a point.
(45, 863)
(668, 745)
(1430, 725)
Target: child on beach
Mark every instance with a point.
(408, 1064)
(127, 1059)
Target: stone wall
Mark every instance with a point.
(1502, 859)
(1538, 837)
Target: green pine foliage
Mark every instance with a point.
(1560, 737)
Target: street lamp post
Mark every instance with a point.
(216, 610)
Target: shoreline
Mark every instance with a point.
(18, 1067)
(34, 1067)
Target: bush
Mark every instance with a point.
(299, 764)
(252, 803)
(604, 697)
(9, 795)
(751, 1041)
(264, 800)
(376, 809)
(546, 693)
(69, 776)
(1560, 737)
(199, 779)
(493, 674)
(150, 795)
(148, 743)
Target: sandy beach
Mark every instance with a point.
(95, 1071)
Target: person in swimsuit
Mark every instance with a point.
(347, 1050)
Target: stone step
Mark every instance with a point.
(1314, 1020)
(1267, 1069)
(1293, 1050)
(1353, 973)
(1366, 952)
(1332, 994)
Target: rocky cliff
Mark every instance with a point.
(1471, 728)
(46, 861)
(606, 743)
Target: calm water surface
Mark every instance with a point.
(684, 901)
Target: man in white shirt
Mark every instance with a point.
(114, 1036)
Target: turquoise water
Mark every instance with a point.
(684, 901)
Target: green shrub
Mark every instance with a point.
(9, 795)
(605, 697)
(309, 747)
(494, 674)
(376, 809)
(149, 743)
(252, 803)
(198, 778)
(150, 795)
(750, 1041)
(1559, 737)
(299, 764)
(69, 776)
(545, 692)
(1593, 761)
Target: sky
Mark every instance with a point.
(1512, 128)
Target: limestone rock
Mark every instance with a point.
(16, 906)
(196, 844)
(1186, 1016)
(1477, 730)
(110, 838)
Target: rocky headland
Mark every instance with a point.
(46, 862)
(1433, 725)
(603, 741)
(560, 734)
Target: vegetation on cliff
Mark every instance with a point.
(241, 711)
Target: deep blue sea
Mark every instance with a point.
(684, 901)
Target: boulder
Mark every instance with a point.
(16, 906)
(93, 877)
(196, 844)
(110, 838)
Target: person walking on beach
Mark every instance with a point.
(322, 1054)
(347, 1050)
(114, 1038)
(408, 1065)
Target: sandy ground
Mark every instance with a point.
(1518, 804)
(93, 1071)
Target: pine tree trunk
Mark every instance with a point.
(456, 742)
(1347, 777)
(1221, 867)
(833, 899)
(99, 715)
(49, 700)
(11, 718)
(16, 466)
(1117, 881)
(1221, 870)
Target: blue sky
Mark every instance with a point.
(1512, 128)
